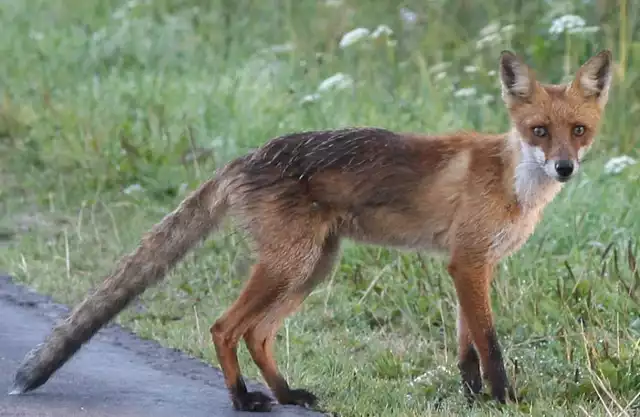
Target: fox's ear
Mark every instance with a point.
(518, 81)
(593, 79)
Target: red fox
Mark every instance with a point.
(475, 197)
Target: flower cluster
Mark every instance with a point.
(570, 23)
(360, 34)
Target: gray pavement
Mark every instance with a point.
(116, 374)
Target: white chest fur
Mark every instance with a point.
(534, 189)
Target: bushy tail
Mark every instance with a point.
(160, 249)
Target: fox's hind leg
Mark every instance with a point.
(260, 338)
(287, 270)
(227, 330)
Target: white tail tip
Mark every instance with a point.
(15, 390)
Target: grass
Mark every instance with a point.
(111, 110)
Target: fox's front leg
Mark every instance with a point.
(471, 273)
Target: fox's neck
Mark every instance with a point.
(533, 188)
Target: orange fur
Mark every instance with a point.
(476, 197)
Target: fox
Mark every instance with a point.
(474, 197)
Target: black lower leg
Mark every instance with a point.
(470, 372)
(496, 372)
(244, 400)
(286, 395)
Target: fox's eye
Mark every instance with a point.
(578, 130)
(540, 131)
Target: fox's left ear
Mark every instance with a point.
(593, 79)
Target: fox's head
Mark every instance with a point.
(556, 123)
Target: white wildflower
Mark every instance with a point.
(310, 98)
(440, 76)
(119, 14)
(566, 23)
(617, 164)
(491, 73)
(420, 379)
(465, 92)
(36, 36)
(508, 29)
(489, 35)
(470, 69)
(492, 27)
(491, 39)
(442, 66)
(354, 36)
(219, 141)
(338, 81)
(492, 34)
(486, 99)
(427, 378)
(408, 16)
(382, 30)
(596, 244)
(99, 35)
(133, 188)
(586, 29)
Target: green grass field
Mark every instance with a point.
(110, 111)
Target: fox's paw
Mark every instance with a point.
(470, 372)
(252, 401)
(506, 395)
(513, 396)
(472, 389)
(300, 397)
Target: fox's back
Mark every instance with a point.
(345, 168)
(370, 184)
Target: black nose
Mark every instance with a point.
(564, 168)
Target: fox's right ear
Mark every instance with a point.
(517, 79)
(593, 79)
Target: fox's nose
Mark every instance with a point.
(564, 168)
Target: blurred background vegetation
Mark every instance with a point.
(188, 71)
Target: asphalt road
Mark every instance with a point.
(115, 374)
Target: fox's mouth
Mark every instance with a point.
(561, 178)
